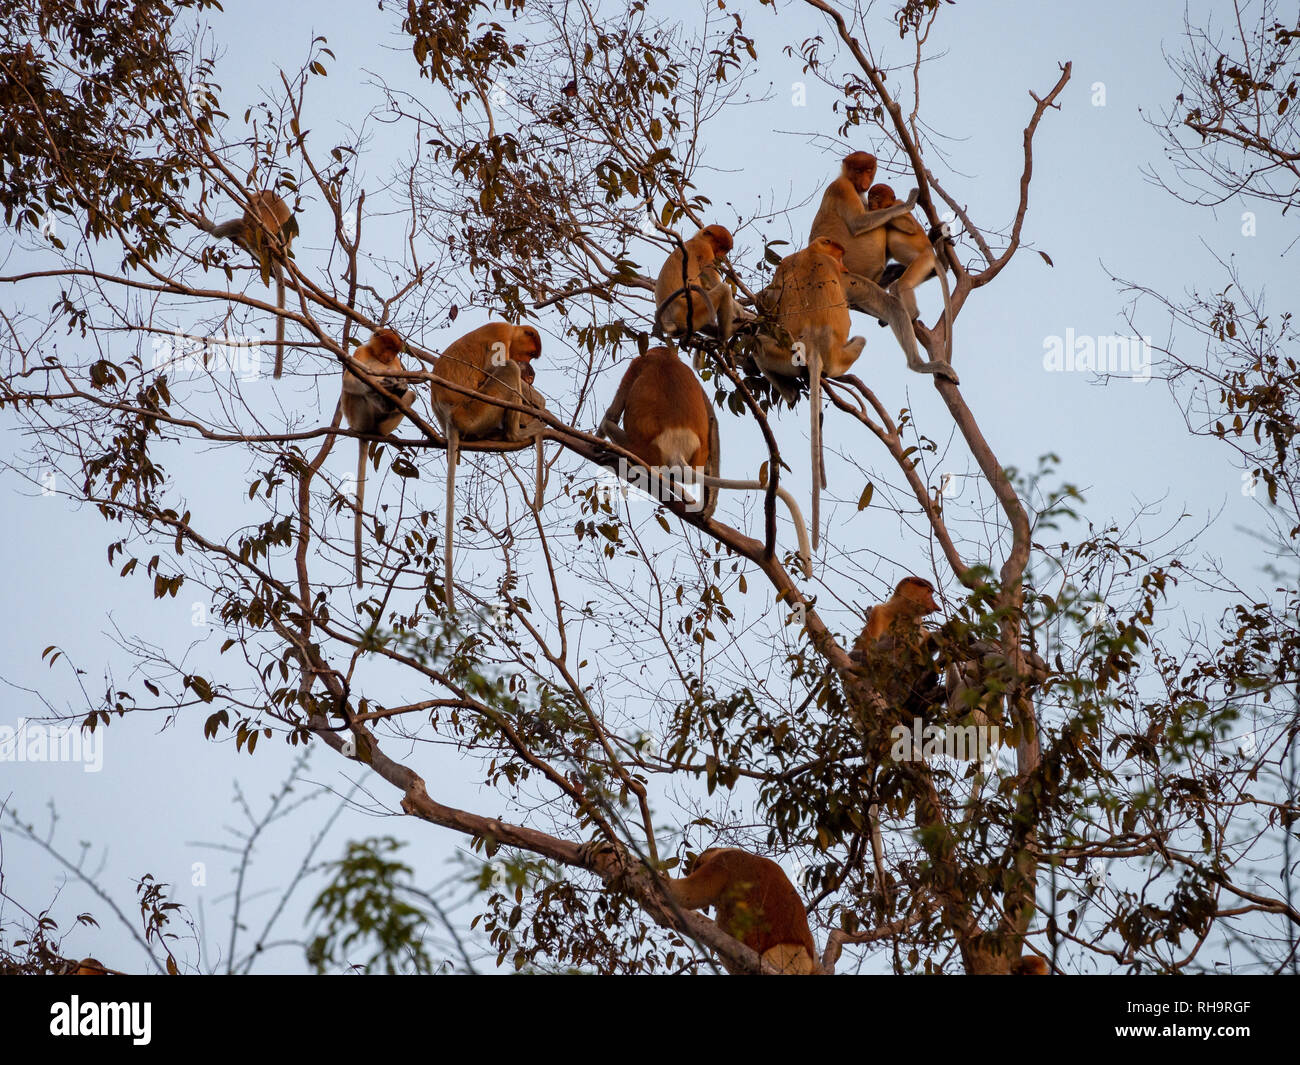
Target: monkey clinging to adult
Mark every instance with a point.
(493, 361)
(265, 230)
(909, 246)
(370, 412)
(843, 218)
(755, 903)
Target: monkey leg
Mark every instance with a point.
(942, 274)
(867, 296)
(774, 362)
(842, 361)
(724, 310)
(686, 311)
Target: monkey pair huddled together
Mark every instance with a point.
(494, 361)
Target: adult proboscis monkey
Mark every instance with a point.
(691, 294)
(912, 600)
(897, 652)
(266, 231)
(807, 302)
(755, 903)
(367, 411)
(494, 361)
(845, 219)
(668, 422)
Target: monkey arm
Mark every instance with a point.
(609, 424)
(868, 220)
(701, 889)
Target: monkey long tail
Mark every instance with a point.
(815, 404)
(713, 464)
(361, 501)
(539, 489)
(796, 516)
(453, 456)
(279, 322)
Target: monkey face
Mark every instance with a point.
(860, 168)
(879, 196)
(526, 344)
(919, 593)
(720, 238)
(386, 345)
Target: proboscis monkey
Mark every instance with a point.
(907, 243)
(806, 300)
(668, 422)
(493, 360)
(897, 652)
(691, 294)
(267, 228)
(912, 600)
(1031, 965)
(755, 903)
(369, 412)
(845, 219)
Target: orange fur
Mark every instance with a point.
(706, 301)
(755, 903)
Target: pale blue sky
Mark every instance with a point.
(1091, 210)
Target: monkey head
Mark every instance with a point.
(386, 345)
(880, 196)
(720, 239)
(525, 344)
(860, 168)
(831, 249)
(916, 596)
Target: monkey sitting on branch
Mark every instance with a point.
(662, 415)
(265, 230)
(755, 903)
(493, 361)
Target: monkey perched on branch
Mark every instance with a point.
(863, 234)
(265, 230)
(668, 422)
(806, 303)
(367, 411)
(755, 903)
(493, 360)
(691, 294)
